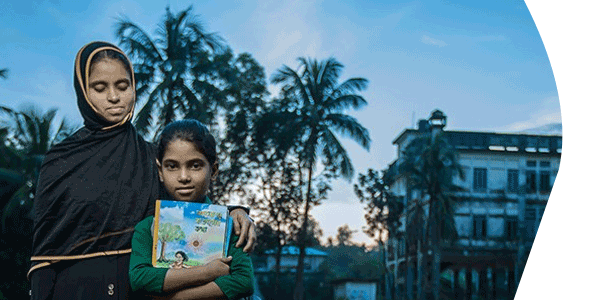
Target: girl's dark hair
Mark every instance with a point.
(192, 131)
(185, 257)
(111, 54)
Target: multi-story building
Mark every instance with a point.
(498, 208)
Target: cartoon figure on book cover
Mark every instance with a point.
(180, 259)
(194, 233)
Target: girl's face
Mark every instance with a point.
(110, 90)
(178, 257)
(185, 171)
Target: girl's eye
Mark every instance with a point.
(170, 166)
(197, 166)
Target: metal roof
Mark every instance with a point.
(293, 250)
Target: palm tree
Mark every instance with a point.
(27, 139)
(430, 164)
(310, 110)
(164, 66)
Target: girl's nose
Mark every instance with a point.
(184, 176)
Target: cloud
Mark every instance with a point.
(172, 214)
(548, 113)
(431, 41)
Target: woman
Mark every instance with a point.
(95, 186)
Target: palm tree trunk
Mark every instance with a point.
(384, 279)
(419, 270)
(436, 263)
(299, 290)
(277, 269)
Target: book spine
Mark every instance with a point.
(227, 236)
(155, 232)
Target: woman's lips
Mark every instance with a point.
(116, 110)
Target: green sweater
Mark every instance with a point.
(144, 277)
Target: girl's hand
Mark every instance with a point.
(218, 267)
(245, 228)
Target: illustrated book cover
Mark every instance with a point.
(189, 234)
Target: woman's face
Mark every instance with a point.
(178, 257)
(110, 90)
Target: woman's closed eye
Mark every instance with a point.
(99, 87)
(123, 86)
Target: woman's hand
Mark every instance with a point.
(245, 228)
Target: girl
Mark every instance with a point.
(94, 187)
(187, 162)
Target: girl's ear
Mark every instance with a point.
(160, 173)
(214, 171)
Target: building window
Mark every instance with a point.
(545, 182)
(530, 223)
(401, 247)
(479, 227)
(390, 251)
(513, 180)
(544, 164)
(531, 182)
(531, 163)
(479, 179)
(510, 228)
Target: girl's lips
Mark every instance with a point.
(184, 191)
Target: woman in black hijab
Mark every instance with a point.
(94, 187)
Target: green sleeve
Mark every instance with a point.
(142, 275)
(240, 281)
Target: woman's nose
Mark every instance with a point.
(112, 96)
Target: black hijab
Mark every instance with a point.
(94, 186)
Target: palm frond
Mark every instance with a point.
(290, 79)
(4, 73)
(344, 102)
(136, 42)
(330, 73)
(348, 126)
(144, 118)
(336, 154)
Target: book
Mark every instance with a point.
(189, 234)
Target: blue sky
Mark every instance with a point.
(482, 62)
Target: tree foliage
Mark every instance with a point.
(169, 69)
(26, 135)
(344, 235)
(310, 109)
(384, 209)
(430, 165)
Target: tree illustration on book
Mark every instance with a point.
(167, 233)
